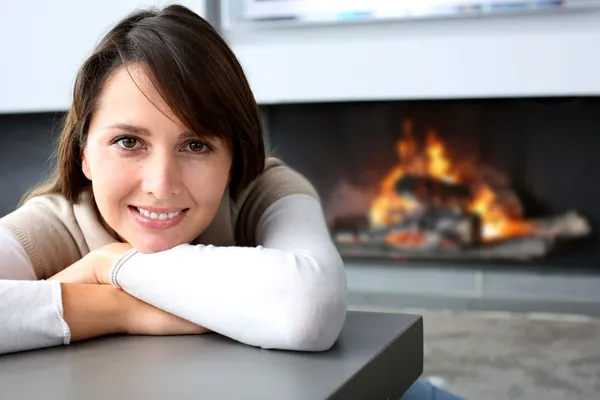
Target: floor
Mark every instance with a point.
(499, 355)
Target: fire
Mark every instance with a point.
(497, 224)
(433, 160)
(438, 164)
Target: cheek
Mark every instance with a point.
(112, 181)
(109, 168)
(207, 186)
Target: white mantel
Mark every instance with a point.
(542, 55)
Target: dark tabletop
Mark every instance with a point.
(378, 356)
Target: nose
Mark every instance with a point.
(161, 177)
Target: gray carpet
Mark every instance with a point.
(485, 355)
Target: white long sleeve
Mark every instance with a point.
(287, 293)
(31, 313)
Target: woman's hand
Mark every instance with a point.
(94, 267)
(97, 310)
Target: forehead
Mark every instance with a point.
(129, 97)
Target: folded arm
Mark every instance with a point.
(38, 313)
(288, 292)
(31, 312)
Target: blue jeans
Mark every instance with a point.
(424, 390)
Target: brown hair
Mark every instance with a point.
(195, 72)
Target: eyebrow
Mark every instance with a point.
(138, 130)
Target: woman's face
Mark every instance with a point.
(155, 183)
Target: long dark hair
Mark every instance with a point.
(195, 72)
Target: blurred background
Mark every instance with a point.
(454, 144)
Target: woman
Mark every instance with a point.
(163, 216)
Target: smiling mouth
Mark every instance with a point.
(158, 216)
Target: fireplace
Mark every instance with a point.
(501, 182)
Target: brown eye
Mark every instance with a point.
(197, 146)
(128, 143)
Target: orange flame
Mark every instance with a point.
(438, 165)
(496, 223)
(434, 161)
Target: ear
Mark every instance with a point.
(85, 166)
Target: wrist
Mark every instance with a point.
(116, 256)
(93, 310)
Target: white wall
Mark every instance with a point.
(42, 43)
(524, 56)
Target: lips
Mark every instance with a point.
(157, 219)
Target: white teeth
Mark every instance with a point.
(153, 215)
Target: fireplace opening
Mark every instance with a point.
(436, 203)
(509, 181)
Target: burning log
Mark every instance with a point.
(429, 191)
(437, 227)
(520, 249)
(546, 236)
(569, 225)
